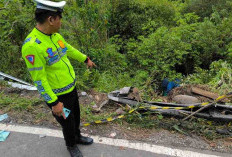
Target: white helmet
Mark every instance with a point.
(49, 5)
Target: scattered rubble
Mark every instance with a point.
(126, 131)
(95, 108)
(113, 134)
(42, 136)
(120, 111)
(213, 111)
(135, 95)
(83, 94)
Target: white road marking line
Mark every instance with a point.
(108, 141)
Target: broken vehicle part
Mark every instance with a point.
(5, 76)
(215, 111)
(21, 84)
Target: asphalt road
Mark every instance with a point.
(29, 141)
(29, 145)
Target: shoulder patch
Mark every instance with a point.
(31, 59)
(61, 44)
(26, 40)
(37, 41)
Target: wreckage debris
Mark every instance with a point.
(21, 84)
(98, 109)
(204, 93)
(213, 111)
(120, 111)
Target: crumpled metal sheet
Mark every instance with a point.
(13, 78)
(21, 84)
(125, 91)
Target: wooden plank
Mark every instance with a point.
(204, 93)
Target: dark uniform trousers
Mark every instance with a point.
(71, 124)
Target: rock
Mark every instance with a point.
(113, 134)
(83, 94)
(185, 99)
(97, 98)
(95, 106)
(120, 111)
(125, 90)
(135, 95)
(85, 129)
(213, 144)
(42, 136)
(104, 103)
(122, 148)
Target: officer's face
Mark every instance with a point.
(55, 23)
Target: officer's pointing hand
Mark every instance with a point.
(90, 64)
(58, 109)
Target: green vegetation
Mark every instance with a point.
(88, 115)
(17, 103)
(133, 42)
(33, 111)
(197, 126)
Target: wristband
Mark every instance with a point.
(53, 103)
(87, 59)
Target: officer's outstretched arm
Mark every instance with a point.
(75, 54)
(72, 52)
(36, 66)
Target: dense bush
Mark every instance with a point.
(204, 8)
(16, 20)
(133, 42)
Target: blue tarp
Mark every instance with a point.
(169, 85)
(3, 116)
(4, 135)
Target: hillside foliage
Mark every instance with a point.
(133, 42)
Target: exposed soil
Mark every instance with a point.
(120, 130)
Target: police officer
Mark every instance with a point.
(46, 55)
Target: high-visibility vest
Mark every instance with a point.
(46, 57)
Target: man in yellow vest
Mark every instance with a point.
(46, 55)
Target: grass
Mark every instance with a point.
(197, 126)
(88, 115)
(3, 83)
(36, 109)
(17, 103)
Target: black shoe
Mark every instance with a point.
(84, 140)
(74, 151)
